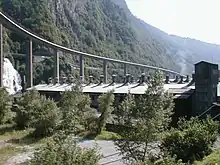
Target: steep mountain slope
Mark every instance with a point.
(95, 26)
(103, 27)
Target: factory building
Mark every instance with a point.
(195, 96)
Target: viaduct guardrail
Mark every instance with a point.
(8, 23)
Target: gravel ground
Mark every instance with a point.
(107, 149)
(19, 158)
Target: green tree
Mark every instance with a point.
(106, 107)
(45, 118)
(77, 115)
(144, 119)
(26, 105)
(5, 105)
(36, 111)
(191, 140)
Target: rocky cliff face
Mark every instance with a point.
(107, 28)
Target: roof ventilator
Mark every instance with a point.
(63, 80)
(142, 80)
(181, 80)
(113, 79)
(101, 79)
(139, 79)
(56, 81)
(50, 81)
(187, 79)
(132, 79)
(148, 79)
(167, 81)
(127, 79)
(176, 79)
(70, 79)
(90, 79)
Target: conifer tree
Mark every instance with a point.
(144, 118)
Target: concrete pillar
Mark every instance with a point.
(82, 68)
(125, 69)
(29, 64)
(105, 71)
(1, 56)
(57, 66)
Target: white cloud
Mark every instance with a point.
(189, 18)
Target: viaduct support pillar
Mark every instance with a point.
(29, 64)
(82, 68)
(1, 56)
(105, 71)
(57, 66)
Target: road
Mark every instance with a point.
(107, 149)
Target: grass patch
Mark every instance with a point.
(11, 132)
(7, 152)
(212, 159)
(20, 137)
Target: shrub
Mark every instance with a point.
(5, 105)
(38, 112)
(106, 107)
(166, 160)
(213, 158)
(77, 116)
(192, 140)
(45, 118)
(65, 152)
(26, 105)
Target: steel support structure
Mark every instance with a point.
(1, 56)
(57, 66)
(29, 64)
(105, 71)
(82, 68)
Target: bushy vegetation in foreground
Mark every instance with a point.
(192, 140)
(143, 134)
(64, 150)
(213, 158)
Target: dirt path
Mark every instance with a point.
(20, 158)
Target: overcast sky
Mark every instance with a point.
(199, 19)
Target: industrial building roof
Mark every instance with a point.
(133, 88)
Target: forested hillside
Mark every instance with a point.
(103, 27)
(94, 26)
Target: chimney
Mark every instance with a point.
(176, 79)
(167, 81)
(50, 81)
(187, 79)
(181, 80)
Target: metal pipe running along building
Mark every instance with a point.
(192, 97)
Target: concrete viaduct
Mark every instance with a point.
(7, 22)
